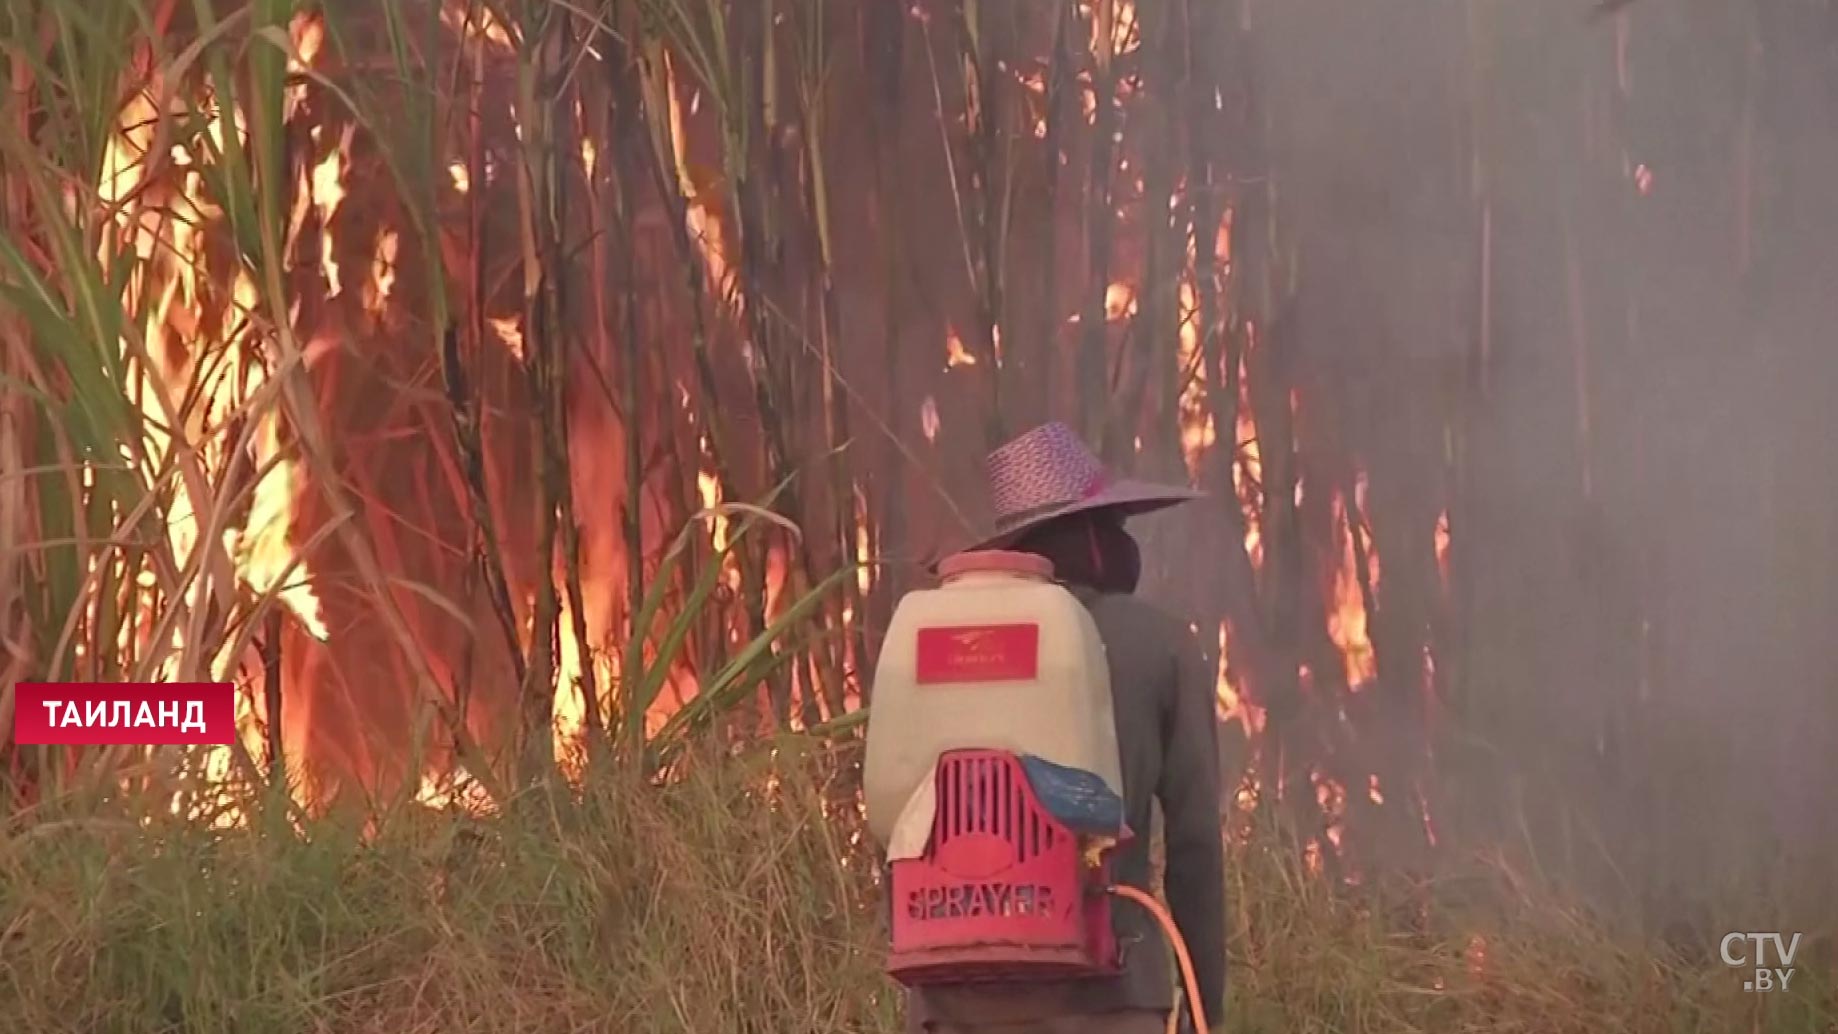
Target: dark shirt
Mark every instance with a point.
(1167, 736)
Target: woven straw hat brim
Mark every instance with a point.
(1130, 497)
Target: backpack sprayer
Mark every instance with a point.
(992, 778)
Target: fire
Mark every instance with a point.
(1113, 24)
(708, 487)
(1442, 547)
(203, 371)
(1346, 620)
(569, 725)
(328, 192)
(382, 271)
(702, 216)
(264, 554)
(1197, 431)
(1476, 955)
(1233, 706)
(1119, 301)
(1034, 84)
(1249, 791)
(864, 576)
(456, 791)
(308, 33)
(1088, 97)
(955, 353)
(458, 15)
(510, 331)
(187, 300)
(1329, 793)
(1248, 471)
(172, 250)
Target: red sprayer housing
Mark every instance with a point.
(1003, 891)
(991, 755)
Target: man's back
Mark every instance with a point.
(1167, 738)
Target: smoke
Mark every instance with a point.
(1592, 255)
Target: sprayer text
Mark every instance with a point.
(980, 899)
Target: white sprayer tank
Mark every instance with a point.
(997, 657)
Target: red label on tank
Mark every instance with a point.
(978, 653)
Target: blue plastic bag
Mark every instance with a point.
(1078, 798)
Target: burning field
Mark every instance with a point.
(439, 406)
(530, 402)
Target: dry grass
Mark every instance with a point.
(706, 906)
(717, 905)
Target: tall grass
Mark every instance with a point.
(130, 488)
(739, 898)
(154, 163)
(627, 908)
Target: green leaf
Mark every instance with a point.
(644, 679)
(737, 680)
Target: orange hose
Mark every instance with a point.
(1180, 952)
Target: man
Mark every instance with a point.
(1053, 498)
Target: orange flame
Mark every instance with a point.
(1198, 433)
(188, 318)
(955, 352)
(1113, 24)
(1248, 467)
(864, 577)
(1346, 619)
(328, 192)
(510, 331)
(708, 487)
(702, 215)
(455, 15)
(1119, 301)
(1442, 547)
(1233, 705)
(382, 271)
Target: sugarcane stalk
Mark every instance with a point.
(882, 53)
(1157, 335)
(271, 697)
(983, 104)
(570, 528)
(1058, 75)
(1093, 394)
(544, 351)
(642, 83)
(465, 426)
(627, 139)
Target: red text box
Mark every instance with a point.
(125, 713)
(978, 653)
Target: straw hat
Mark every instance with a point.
(1049, 473)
